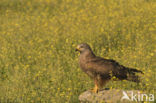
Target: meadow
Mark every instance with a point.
(38, 62)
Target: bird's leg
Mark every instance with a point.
(96, 88)
(103, 83)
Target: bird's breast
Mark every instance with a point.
(91, 74)
(85, 68)
(82, 65)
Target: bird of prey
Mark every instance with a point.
(102, 70)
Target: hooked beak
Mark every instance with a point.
(77, 49)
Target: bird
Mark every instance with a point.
(103, 70)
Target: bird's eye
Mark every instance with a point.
(81, 46)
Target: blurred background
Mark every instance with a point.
(38, 38)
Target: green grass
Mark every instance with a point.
(38, 38)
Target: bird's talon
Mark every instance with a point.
(94, 90)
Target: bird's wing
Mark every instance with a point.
(109, 68)
(105, 66)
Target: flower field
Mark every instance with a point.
(38, 62)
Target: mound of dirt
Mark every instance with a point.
(109, 96)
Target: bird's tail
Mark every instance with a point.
(131, 75)
(135, 70)
(133, 78)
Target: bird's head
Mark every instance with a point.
(83, 47)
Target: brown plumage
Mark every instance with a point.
(102, 70)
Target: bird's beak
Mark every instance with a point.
(77, 49)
